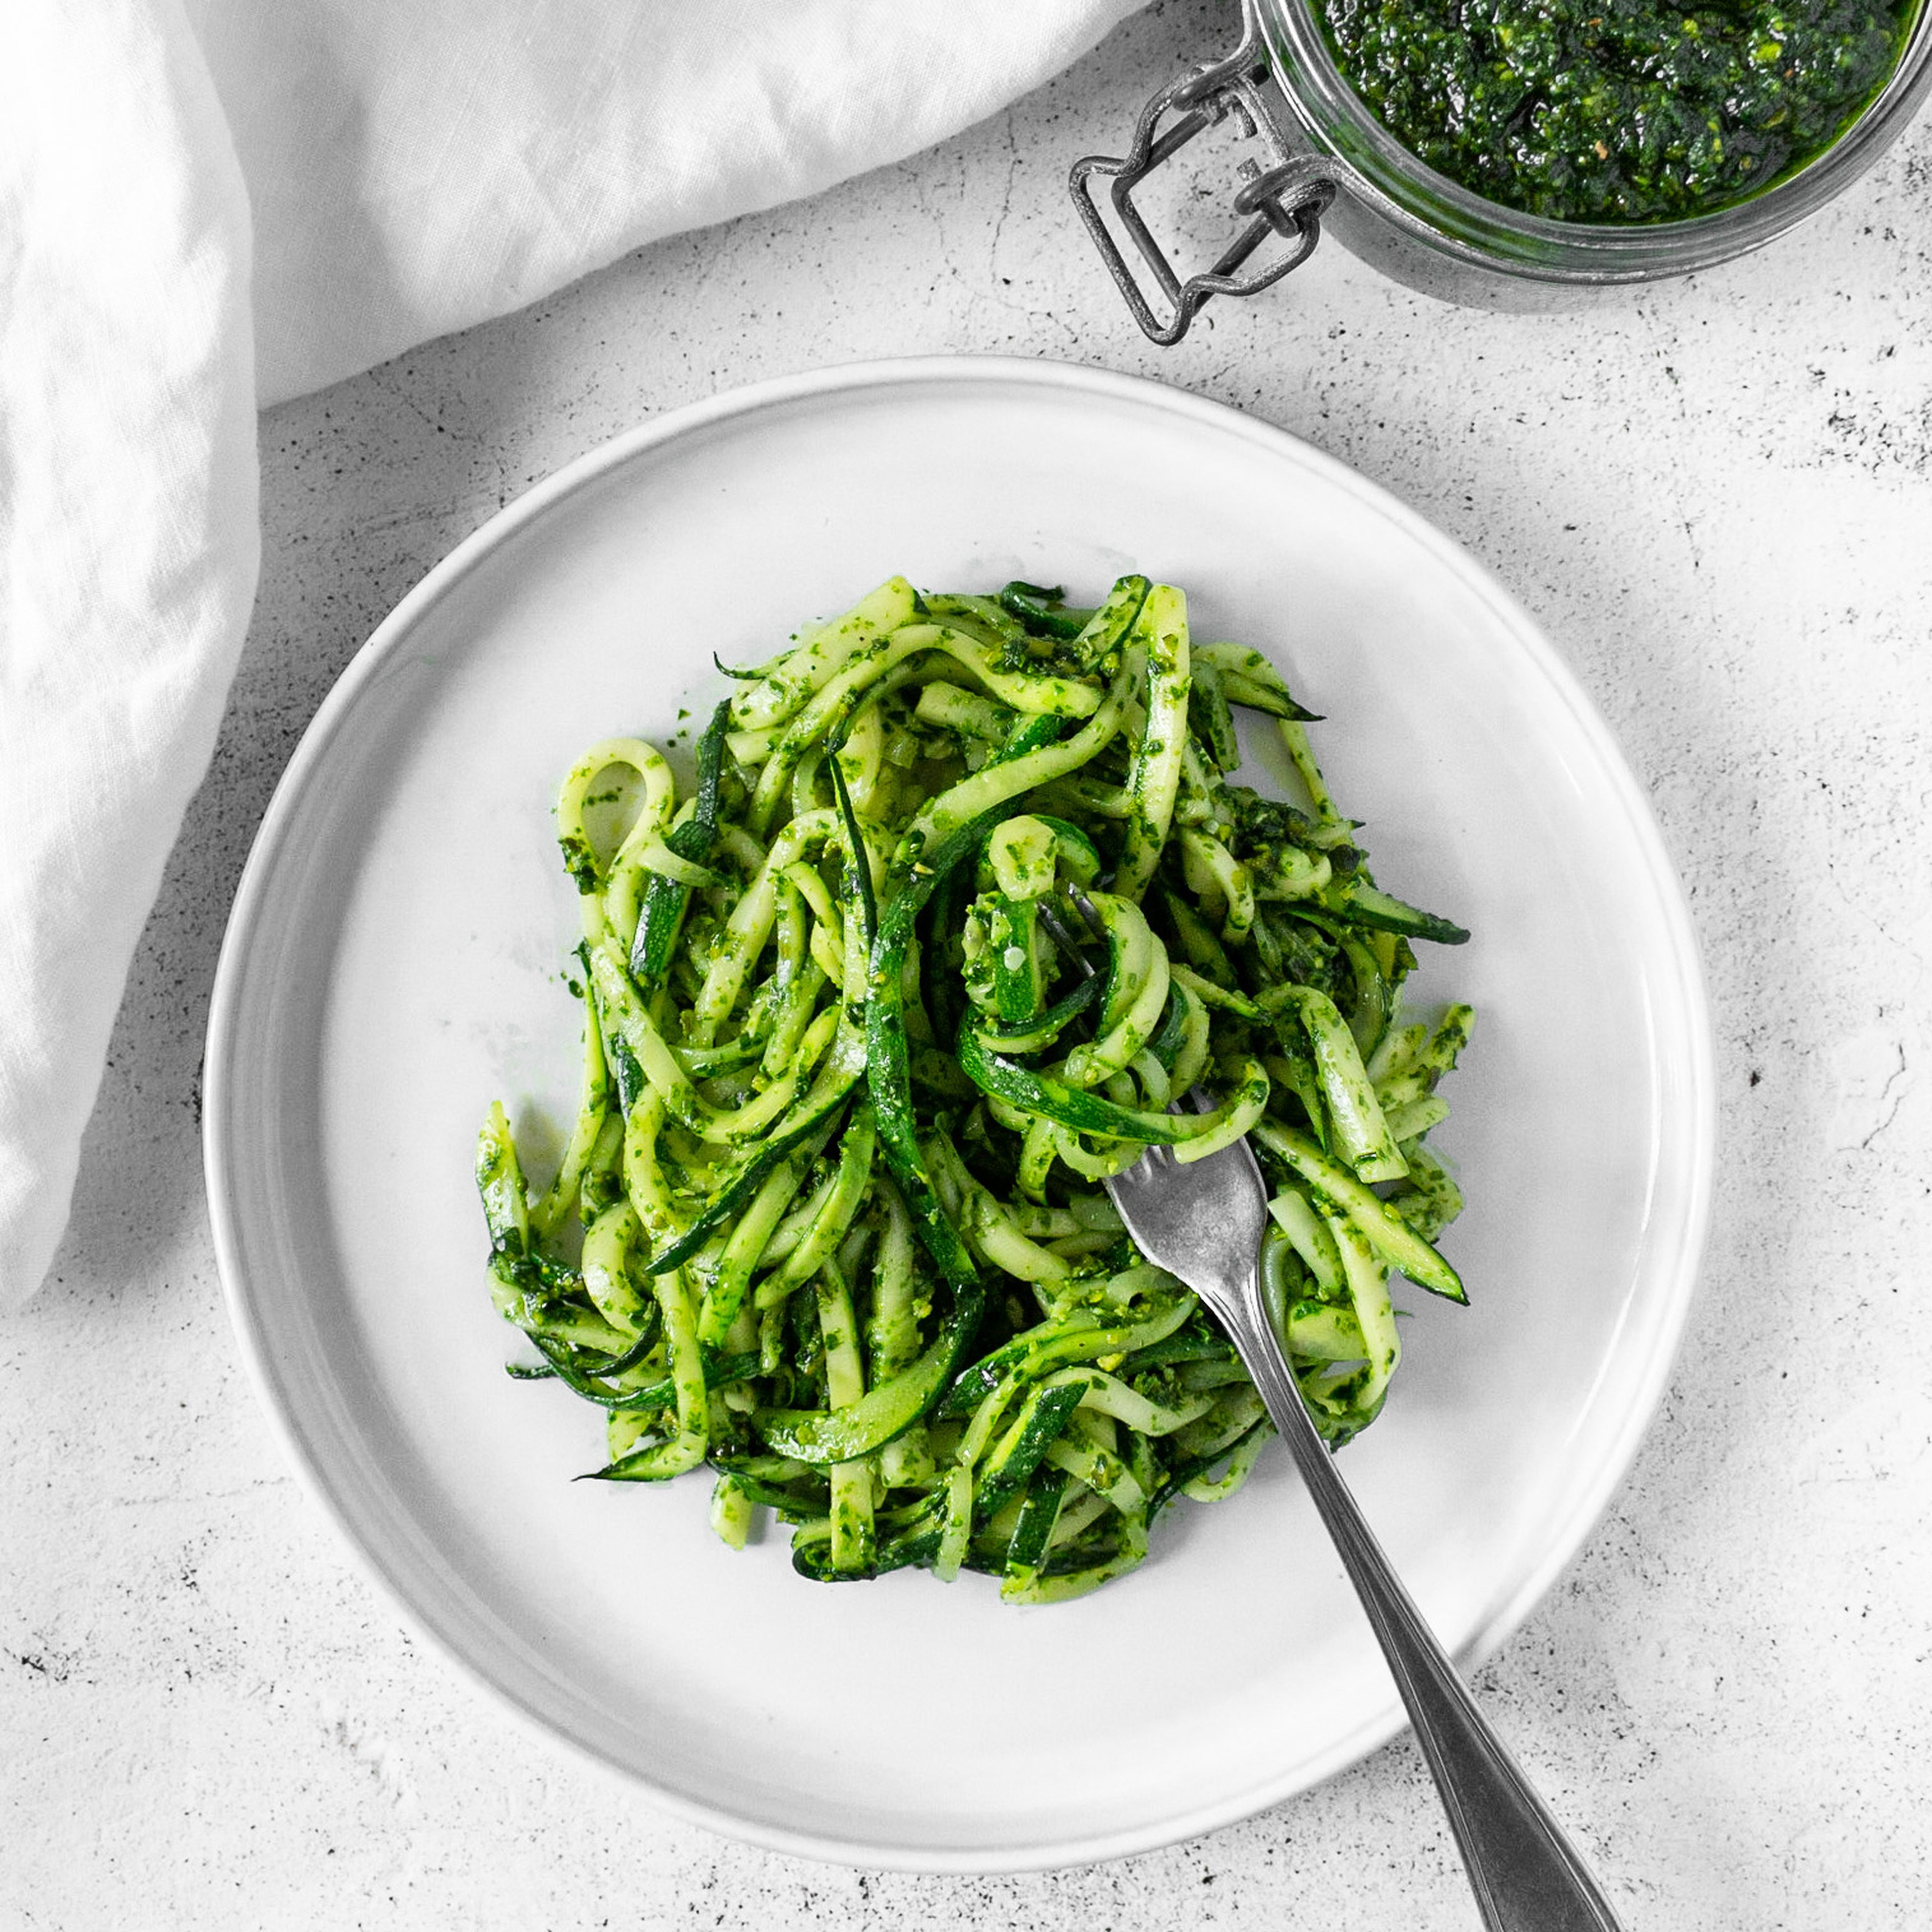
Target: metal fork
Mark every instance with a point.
(1203, 1220)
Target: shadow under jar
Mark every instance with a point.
(1327, 161)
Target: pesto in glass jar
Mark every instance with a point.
(1616, 111)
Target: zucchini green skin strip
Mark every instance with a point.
(1032, 1354)
(727, 1127)
(1031, 603)
(1178, 1480)
(1074, 1107)
(848, 1190)
(939, 936)
(599, 1367)
(1208, 717)
(1034, 1530)
(1360, 903)
(802, 1494)
(887, 1070)
(1205, 953)
(1023, 1448)
(737, 1193)
(1294, 1066)
(820, 1436)
(1387, 1233)
(727, 1369)
(858, 873)
(1249, 679)
(666, 901)
(686, 1449)
(1373, 1007)
(1042, 1032)
(754, 1227)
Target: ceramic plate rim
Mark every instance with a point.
(1696, 1110)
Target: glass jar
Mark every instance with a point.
(1328, 163)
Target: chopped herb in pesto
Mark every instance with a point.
(1616, 111)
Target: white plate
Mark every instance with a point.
(394, 962)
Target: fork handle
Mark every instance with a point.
(1526, 1874)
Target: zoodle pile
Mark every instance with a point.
(963, 900)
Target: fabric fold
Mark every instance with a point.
(128, 545)
(418, 168)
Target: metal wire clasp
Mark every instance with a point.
(1287, 199)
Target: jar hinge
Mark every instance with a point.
(1287, 199)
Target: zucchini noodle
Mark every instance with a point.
(963, 902)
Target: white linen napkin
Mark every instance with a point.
(397, 168)
(128, 535)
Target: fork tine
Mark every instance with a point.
(1056, 931)
(1088, 912)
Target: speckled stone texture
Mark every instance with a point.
(1717, 493)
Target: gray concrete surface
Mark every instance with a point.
(1718, 495)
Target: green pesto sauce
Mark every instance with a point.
(1616, 110)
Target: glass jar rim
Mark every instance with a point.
(1376, 168)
